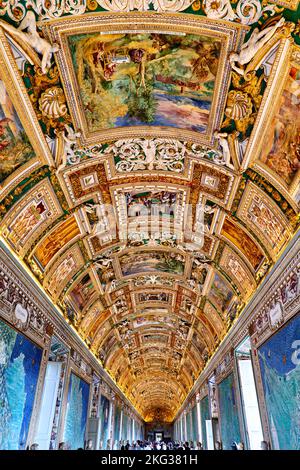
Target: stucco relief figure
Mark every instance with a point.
(256, 41)
(223, 142)
(33, 39)
(70, 139)
(101, 225)
(149, 148)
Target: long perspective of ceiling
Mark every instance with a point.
(115, 110)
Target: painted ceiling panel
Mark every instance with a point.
(149, 169)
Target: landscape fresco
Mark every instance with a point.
(152, 261)
(280, 372)
(230, 428)
(77, 412)
(280, 150)
(151, 203)
(145, 79)
(20, 361)
(15, 148)
(220, 293)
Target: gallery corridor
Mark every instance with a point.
(149, 225)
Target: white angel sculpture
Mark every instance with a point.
(149, 148)
(33, 39)
(252, 46)
(223, 142)
(70, 137)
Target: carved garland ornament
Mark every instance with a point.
(246, 11)
(151, 154)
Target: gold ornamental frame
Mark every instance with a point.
(229, 34)
(11, 77)
(287, 55)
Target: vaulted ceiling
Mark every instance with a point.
(139, 112)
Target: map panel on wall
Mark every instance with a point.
(280, 372)
(104, 417)
(124, 435)
(20, 361)
(204, 407)
(194, 424)
(77, 412)
(117, 430)
(230, 428)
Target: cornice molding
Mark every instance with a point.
(52, 314)
(240, 328)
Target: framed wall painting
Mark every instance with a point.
(23, 147)
(19, 373)
(76, 412)
(274, 142)
(101, 56)
(280, 368)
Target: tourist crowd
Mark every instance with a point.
(154, 446)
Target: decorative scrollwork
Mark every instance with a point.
(49, 9)
(245, 11)
(144, 5)
(155, 154)
(153, 279)
(45, 9)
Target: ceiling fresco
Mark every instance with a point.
(149, 171)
